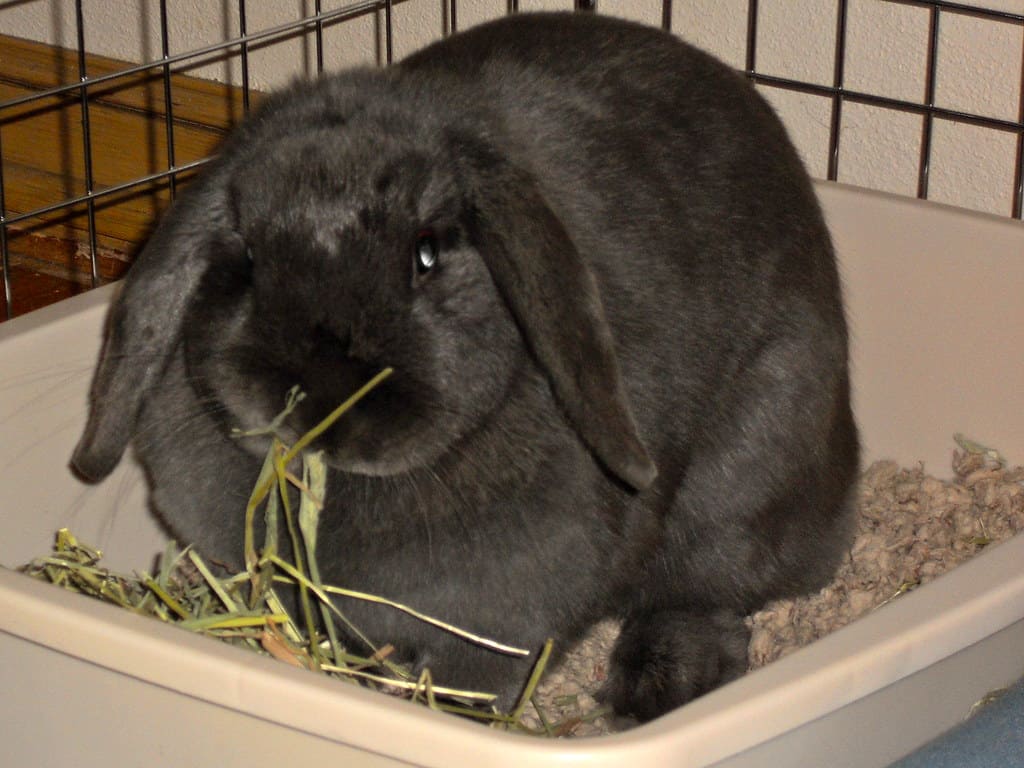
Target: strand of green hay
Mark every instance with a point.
(465, 635)
(271, 515)
(321, 594)
(425, 686)
(292, 398)
(167, 564)
(493, 717)
(146, 605)
(261, 579)
(275, 605)
(411, 685)
(314, 477)
(212, 581)
(545, 723)
(192, 595)
(259, 492)
(263, 592)
(533, 682)
(357, 662)
(289, 518)
(336, 414)
(166, 598)
(234, 621)
(68, 544)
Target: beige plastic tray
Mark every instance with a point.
(935, 297)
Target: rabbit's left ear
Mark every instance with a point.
(554, 298)
(145, 321)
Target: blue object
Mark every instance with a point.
(992, 738)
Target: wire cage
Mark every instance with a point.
(80, 186)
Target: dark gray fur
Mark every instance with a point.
(622, 392)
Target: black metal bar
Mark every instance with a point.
(5, 264)
(1018, 181)
(666, 15)
(389, 31)
(453, 23)
(319, 37)
(924, 166)
(837, 100)
(751, 59)
(165, 51)
(83, 79)
(244, 55)
(963, 10)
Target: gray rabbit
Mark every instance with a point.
(600, 273)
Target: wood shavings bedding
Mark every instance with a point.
(911, 528)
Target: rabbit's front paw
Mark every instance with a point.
(666, 658)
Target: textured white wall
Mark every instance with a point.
(979, 70)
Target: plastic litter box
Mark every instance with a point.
(936, 300)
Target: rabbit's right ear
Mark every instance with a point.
(145, 320)
(554, 297)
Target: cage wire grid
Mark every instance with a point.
(319, 23)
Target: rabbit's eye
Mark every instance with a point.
(426, 251)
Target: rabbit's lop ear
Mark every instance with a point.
(145, 321)
(555, 300)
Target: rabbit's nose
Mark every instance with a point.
(329, 346)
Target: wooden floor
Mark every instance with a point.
(42, 161)
(32, 289)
